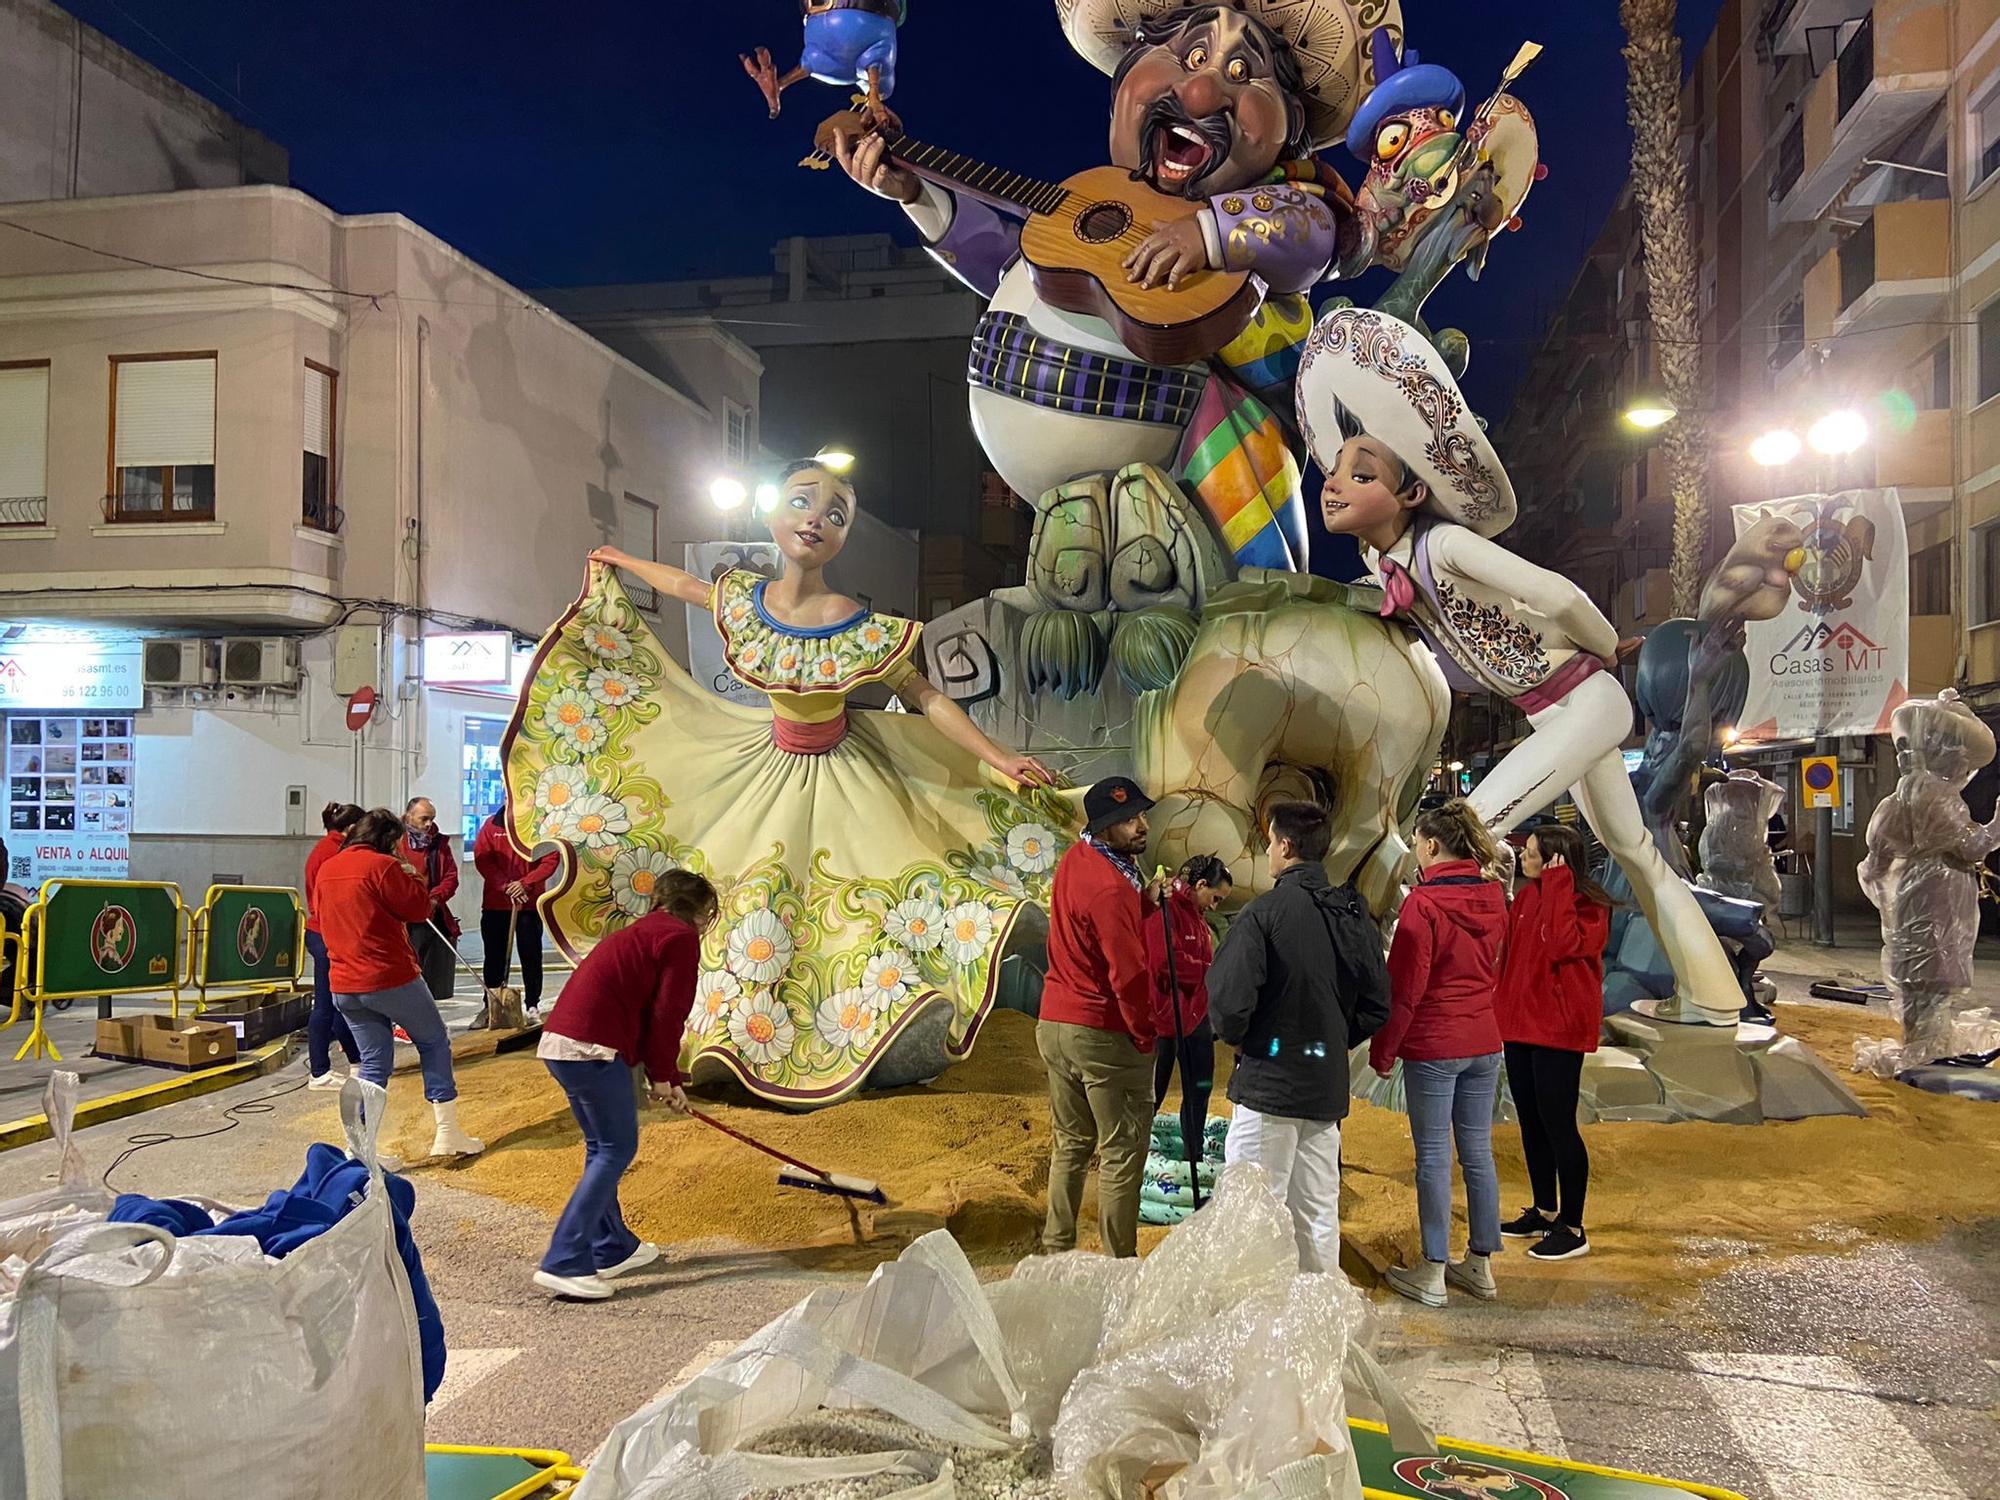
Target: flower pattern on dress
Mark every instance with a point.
(968, 930)
(887, 979)
(760, 947)
(557, 790)
(613, 687)
(1032, 847)
(570, 713)
(762, 1029)
(715, 995)
(846, 1019)
(917, 925)
(607, 641)
(1510, 647)
(635, 873)
(773, 659)
(597, 821)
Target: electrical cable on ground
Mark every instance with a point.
(263, 1104)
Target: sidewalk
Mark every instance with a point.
(74, 1030)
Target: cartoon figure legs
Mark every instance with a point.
(1575, 746)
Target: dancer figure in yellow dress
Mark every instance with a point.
(874, 867)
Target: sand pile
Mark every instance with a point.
(1668, 1203)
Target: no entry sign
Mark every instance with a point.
(360, 709)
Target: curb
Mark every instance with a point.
(251, 1065)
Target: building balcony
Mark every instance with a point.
(1896, 66)
(1916, 463)
(1791, 27)
(1893, 271)
(1933, 654)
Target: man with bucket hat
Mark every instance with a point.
(1096, 1029)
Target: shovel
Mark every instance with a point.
(501, 1008)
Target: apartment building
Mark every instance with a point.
(864, 344)
(1843, 161)
(256, 455)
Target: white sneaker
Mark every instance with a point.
(1474, 1274)
(1425, 1284)
(638, 1260)
(581, 1288)
(328, 1080)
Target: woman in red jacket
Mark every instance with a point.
(1551, 1007)
(1202, 885)
(326, 1025)
(368, 896)
(1443, 968)
(624, 1008)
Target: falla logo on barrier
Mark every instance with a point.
(1464, 1479)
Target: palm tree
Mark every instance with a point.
(1660, 186)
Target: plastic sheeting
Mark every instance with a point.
(1213, 1368)
(1921, 871)
(315, 1355)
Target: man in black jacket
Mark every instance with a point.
(1298, 981)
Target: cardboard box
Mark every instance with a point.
(118, 1039)
(259, 1020)
(190, 1046)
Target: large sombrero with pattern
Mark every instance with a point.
(1393, 383)
(1331, 38)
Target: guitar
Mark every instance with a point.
(1075, 239)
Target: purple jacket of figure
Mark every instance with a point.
(1279, 230)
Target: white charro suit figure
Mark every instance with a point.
(1413, 477)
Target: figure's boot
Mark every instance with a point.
(451, 1139)
(1706, 992)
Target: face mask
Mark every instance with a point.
(422, 840)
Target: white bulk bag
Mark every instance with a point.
(299, 1377)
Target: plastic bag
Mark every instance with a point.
(315, 1355)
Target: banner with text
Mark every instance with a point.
(1837, 659)
(709, 561)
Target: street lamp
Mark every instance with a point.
(1776, 448)
(834, 460)
(1650, 412)
(767, 498)
(1838, 433)
(728, 494)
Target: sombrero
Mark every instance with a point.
(1392, 381)
(1331, 38)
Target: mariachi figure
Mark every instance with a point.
(1412, 476)
(848, 42)
(1219, 108)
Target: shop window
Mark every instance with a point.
(482, 789)
(69, 776)
(24, 444)
(162, 438)
(316, 440)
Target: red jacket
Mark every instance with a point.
(1443, 968)
(1098, 975)
(633, 991)
(493, 855)
(1552, 986)
(439, 868)
(1194, 951)
(366, 902)
(324, 850)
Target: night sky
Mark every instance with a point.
(613, 141)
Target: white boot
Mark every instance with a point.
(1425, 1284)
(1474, 1274)
(451, 1139)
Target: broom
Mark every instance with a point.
(798, 1174)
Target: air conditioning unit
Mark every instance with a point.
(172, 664)
(260, 661)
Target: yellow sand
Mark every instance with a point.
(1668, 1203)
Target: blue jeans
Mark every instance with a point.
(591, 1233)
(325, 1025)
(1452, 1100)
(409, 1006)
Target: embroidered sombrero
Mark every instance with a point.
(1395, 384)
(1331, 38)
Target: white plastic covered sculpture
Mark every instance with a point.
(1922, 872)
(1735, 844)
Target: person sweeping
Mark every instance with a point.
(624, 1009)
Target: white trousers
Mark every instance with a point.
(1575, 748)
(1303, 1158)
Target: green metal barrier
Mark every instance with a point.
(94, 938)
(249, 937)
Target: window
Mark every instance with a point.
(1989, 351)
(1986, 143)
(162, 438)
(24, 444)
(1986, 546)
(1642, 477)
(639, 534)
(739, 434)
(1930, 580)
(1930, 382)
(481, 791)
(317, 441)
(1857, 66)
(1857, 264)
(1791, 333)
(1791, 158)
